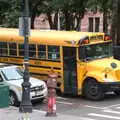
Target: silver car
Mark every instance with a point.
(13, 77)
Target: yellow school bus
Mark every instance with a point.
(83, 60)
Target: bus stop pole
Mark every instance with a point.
(26, 105)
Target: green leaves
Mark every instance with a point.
(9, 10)
(70, 11)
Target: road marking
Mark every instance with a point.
(62, 98)
(94, 107)
(81, 118)
(86, 118)
(117, 107)
(111, 111)
(104, 116)
(111, 106)
(40, 111)
(66, 103)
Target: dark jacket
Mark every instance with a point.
(51, 85)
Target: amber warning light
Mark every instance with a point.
(107, 37)
(84, 40)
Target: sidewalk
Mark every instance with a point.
(12, 113)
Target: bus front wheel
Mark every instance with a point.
(92, 90)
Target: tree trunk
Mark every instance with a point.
(32, 20)
(50, 20)
(56, 21)
(67, 20)
(33, 10)
(78, 25)
(118, 24)
(114, 22)
(105, 22)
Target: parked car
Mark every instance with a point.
(13, 77)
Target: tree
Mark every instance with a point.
(35, 10)
(9, 13)
(114, 21)
(115, 31)
(72, 12)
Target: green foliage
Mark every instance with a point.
(71, 11)
(99, 5)
(9, 13)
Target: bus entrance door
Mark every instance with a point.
(70, 70)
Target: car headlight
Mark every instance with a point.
(19, 88)
(44, 85)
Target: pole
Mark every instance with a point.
(26, 106)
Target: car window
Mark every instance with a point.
(12, 73)
(1, 79)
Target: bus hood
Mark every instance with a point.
(102, 67)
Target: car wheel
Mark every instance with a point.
(92, 90)
(13, 99)
(117, 92)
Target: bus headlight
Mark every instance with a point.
(108, 80)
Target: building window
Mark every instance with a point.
(97, 23)
(13, 49)
(90, 24)
(32, 50)
(54, 52)
(3, 49)
(42, 51)
(94, 24)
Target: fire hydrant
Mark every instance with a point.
(51, 85)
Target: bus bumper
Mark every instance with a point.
(110, 86)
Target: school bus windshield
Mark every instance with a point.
(96, 51)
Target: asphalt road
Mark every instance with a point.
(108, 109)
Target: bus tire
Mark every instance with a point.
(92, 90)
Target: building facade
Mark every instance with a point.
(92, 22)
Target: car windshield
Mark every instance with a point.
(97, 51)
(12, 73)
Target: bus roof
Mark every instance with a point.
(51, 37)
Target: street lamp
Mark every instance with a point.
(25, 106)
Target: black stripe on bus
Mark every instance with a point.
(37, 66)
(32, 58)
(39, 74)
(56, 68)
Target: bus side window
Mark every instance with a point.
(32, 50)
(3, 49)
(42, 51)
(21, 49)
(13, 49)
(54, 52)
